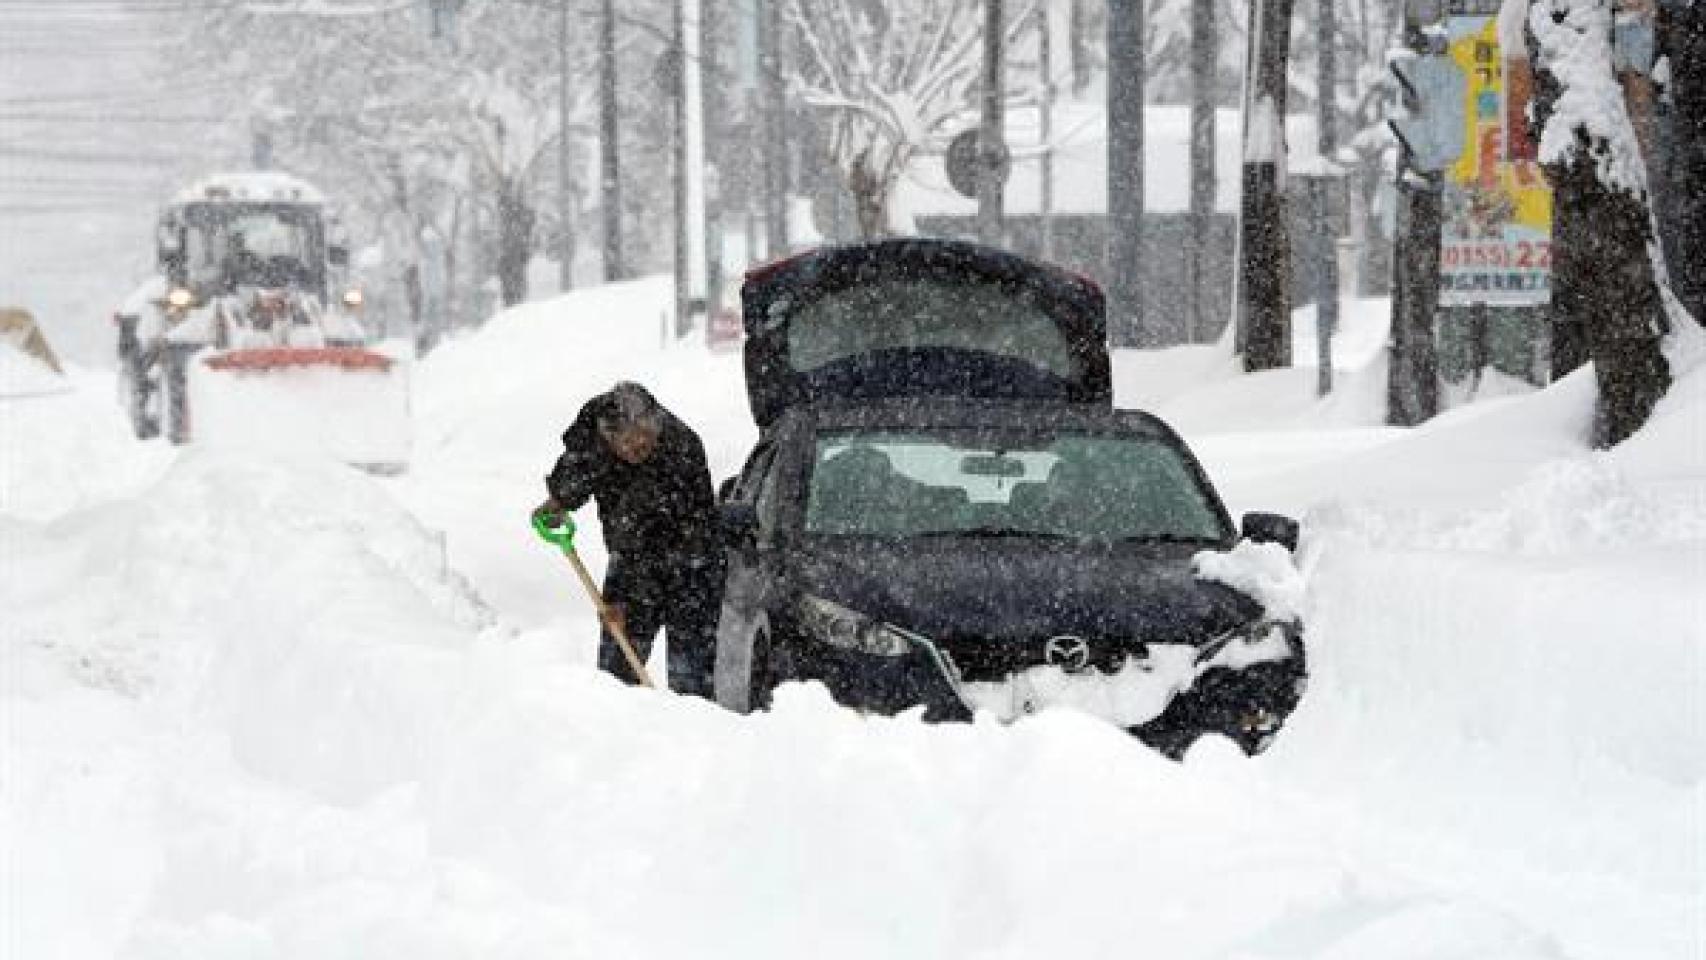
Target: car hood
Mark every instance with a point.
(994, 592)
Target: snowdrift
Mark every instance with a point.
(251, 713)
(24, 375)
(266, 707)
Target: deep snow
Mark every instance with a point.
(263, 707)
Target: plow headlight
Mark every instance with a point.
(847, 629)
(180, 299)
(353, 299)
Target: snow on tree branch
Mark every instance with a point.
(1573, 42)
(894, 78)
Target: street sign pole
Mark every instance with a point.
(992, 138)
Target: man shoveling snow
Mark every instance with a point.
(647, 470)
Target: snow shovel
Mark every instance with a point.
(563, 537)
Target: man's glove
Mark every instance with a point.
(550, 513)
(554, 525)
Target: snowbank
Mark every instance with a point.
(70, 449)
(22, 375)
(249, 706)
(253, 713)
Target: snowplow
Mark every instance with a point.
(249, 334)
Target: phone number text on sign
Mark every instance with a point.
(1510, 272)
(1522, 255)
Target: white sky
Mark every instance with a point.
(97, 126)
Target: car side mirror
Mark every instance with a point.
(1270, 528)
(739, 523)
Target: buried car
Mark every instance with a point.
(945, 511)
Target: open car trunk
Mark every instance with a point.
(920, 318)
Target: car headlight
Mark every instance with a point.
(180, 299)
(353, 298)
(847, 629)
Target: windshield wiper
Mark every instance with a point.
(1165, 538)
(993, 533)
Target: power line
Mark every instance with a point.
(108, 118)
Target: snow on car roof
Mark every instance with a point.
(267, 185)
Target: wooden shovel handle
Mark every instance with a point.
(608, 618)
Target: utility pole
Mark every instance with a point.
(1126, 326)
(1205, 61)
(991, 140)
(689, 168)
(609, 155)
(1045, 66)
(1326, 237)
(565, 200)
(772, 107)
(1264, 243)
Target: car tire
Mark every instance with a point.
(176, 393)
(135, 392)
(773, 664)
(762, 680)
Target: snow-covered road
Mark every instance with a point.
(268, 707)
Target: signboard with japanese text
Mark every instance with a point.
(1496, 237)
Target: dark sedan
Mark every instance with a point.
(945, 511)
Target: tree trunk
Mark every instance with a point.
(773, 109)
(515, 242)
(870, 198)
(1205, 61)
(609, 147)
(1603, 286)
(1126, 320)
(1682, 38)
(1264, 242)
(1603, 278)
(1412, 384)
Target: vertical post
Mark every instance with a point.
(262, 149)
(693, 163)
(1045, 66)
(1682, 40)
(773, 107)
(991, 137)
(1264, 242)
(1205, 60)
(1412, 393)
(678, 162)
(1326, 245)
(609, 156)
(714, 101)
(565, 202)
(1126, 326)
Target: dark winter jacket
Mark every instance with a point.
(654, 511)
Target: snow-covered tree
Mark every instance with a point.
(1608, 273)
(894, 78)
(435, 123)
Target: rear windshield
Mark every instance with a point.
(974, 316)
(1074, 486)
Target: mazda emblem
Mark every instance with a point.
(1071, 654)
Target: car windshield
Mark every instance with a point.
(1080, 486)
(970, 315)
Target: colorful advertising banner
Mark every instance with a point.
(1496, 242)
